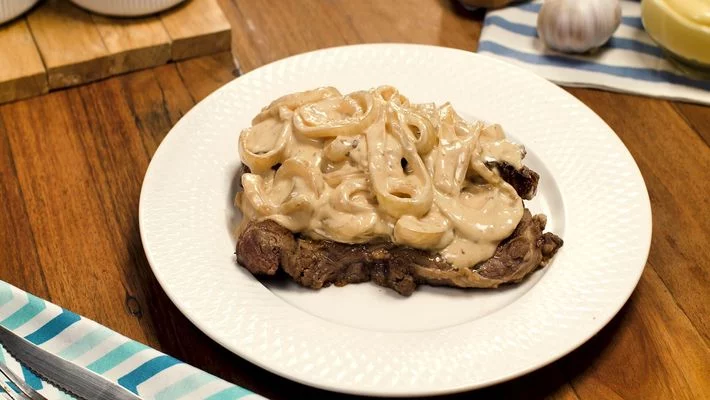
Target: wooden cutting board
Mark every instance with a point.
(57, 44)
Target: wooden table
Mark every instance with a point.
(72, 163)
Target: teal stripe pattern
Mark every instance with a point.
(31, 379)
(232, 393)
(53, 327)
(33, 307)
(116, 356)
(86, 343)
(144, 371)
(13, 386)
(184, 386)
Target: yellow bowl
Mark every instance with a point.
(681, 27)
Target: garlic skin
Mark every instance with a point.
(578, 26)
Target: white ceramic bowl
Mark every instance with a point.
(126, 8)
(9, 9)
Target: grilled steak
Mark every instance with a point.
(264, 247)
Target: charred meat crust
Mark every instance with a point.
(523, 180)
(266, 246)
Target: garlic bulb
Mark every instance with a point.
(577, 26)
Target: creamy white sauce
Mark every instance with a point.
(371, 165)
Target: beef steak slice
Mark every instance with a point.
(265, 246)
(523, 180)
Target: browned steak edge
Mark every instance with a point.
(264, 247)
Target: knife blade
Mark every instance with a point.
(68, 376)
(27, 391)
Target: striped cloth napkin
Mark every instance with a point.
(137, 367)
(631, 62)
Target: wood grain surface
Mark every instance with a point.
(57, 44)
(70, 44)
(197, 28)
(134, 43)
(22, 73)
(72, 163)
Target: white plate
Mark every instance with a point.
(368, 340)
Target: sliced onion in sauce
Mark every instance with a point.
(431, 232)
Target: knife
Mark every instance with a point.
(27, 392)
(70, 377)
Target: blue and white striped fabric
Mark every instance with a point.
(139, 368)
(631, 62)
